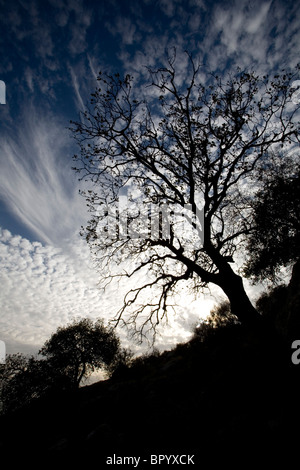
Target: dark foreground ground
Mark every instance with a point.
(233, 398)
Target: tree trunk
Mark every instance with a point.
(232, 285)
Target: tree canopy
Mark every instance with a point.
(187, 145)
(80, 348)
(275, 239)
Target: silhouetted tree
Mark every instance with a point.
(274, 241)
(190, 147)
(81, 347)
(71, 354)
(14, 364)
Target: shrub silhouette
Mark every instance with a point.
(219, 317)
(23, 379)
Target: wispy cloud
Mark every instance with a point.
(168, 7)
(125, 28)
(37, 186)
(76, 86)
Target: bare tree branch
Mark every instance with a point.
(188, 147)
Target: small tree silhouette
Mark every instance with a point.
(72, 353)
(81, 347)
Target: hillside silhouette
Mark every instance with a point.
(229, 391)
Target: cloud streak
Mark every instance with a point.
(37, 186)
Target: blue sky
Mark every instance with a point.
(51, 53)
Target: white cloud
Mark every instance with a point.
(29, 79)
(76, 86)
(255, 35)
(169, 7)
(256, 22)
(44, 287)
(125, 28)
(258, 35)
(37, 187)
(78, 42)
